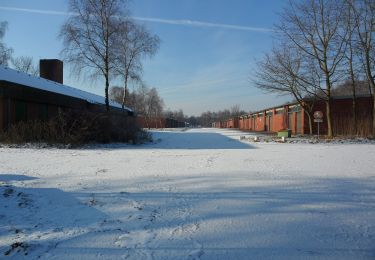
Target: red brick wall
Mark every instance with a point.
(259, 123)
(278, 122)
(151, 123)
(341, 114)
(241, 123)
(248, 123)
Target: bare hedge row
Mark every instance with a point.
(76, 127)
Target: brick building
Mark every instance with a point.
(24, 97)
(292, 116)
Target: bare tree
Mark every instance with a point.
(154, 104)
(314, 27)
(5, 52)
(235, 110)
(149, 103)
(116, 94)
(207, 118)
(25, 64)
(364, 15)
(351, 57)
(89, 35)
(132, 44)
(144, 101)
(285, 71)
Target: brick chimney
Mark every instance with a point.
(51, 69)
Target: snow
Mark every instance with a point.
(195, 194)
(11, 75)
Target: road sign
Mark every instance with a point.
(318, 118)
(318, 115)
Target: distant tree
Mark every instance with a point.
(179, 115)
(222, 114)
(235, 110)
(25, 64)
(143, 100)
(207, 118)
(5, 52)
(149, 103)
(89, 36)
(193, 121)
(154, 104)
(133, 42)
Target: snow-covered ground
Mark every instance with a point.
(196, 194)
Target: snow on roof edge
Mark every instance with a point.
(21, 78)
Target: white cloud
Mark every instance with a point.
(204, 24)
(152, 20)
(35, 11)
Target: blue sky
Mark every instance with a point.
(206, 58)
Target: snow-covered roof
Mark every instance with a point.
(24, 79)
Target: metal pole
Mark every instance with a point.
(318, 129)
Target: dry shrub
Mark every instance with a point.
(75, 128)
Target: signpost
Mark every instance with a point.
(318, 118)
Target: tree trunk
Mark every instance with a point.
(124, 97)
(106, 92)
(354, 112)
(310, 122)
(146, 121)
(354, 101)
(372, 83)
(328, 104)
(329, 119)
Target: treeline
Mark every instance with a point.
(319, 45)
(207, 118)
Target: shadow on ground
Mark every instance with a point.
(190, 139)
(196, 140)
(201, 217)
(35, 220)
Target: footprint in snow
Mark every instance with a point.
(123, 240)
(101, 171)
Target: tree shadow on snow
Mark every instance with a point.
(189, 139)
(210, 218)
(195, 140)
(35, 220)
(15, 177)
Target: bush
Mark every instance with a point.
(76, 128)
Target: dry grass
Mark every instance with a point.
(76, 128)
